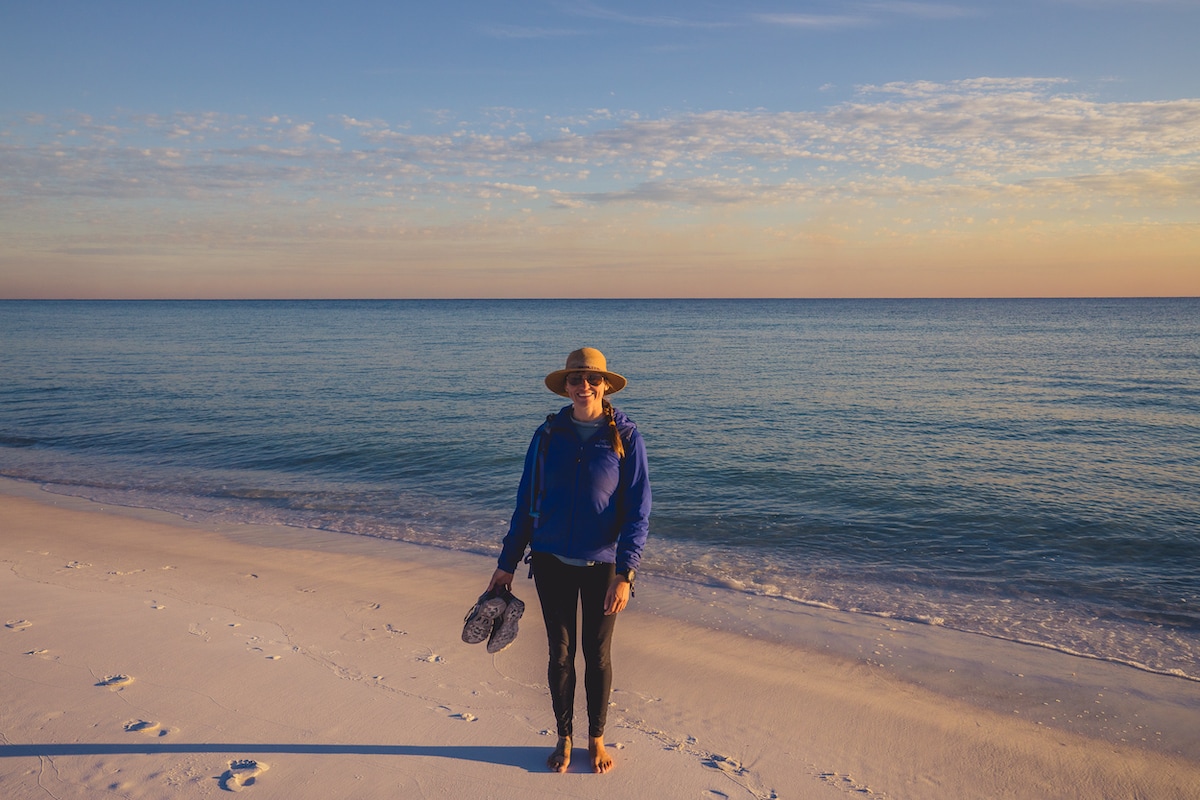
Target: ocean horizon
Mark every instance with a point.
(1025, 469)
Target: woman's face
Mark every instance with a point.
(586, 390)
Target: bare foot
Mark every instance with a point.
(601, 760)
(561, 757)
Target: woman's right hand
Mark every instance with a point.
(500, 580)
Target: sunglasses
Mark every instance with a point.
(576, 378)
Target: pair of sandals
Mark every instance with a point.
(494, 618)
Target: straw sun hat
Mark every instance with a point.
(585, 359)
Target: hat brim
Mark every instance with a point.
(557, 381)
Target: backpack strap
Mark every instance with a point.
(537, 489)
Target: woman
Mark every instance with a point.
(583, 509)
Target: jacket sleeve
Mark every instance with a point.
(520, 527)
(635, 507)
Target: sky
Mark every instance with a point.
(599, 148)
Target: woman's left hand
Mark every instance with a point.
(617, 598)
(501, 581)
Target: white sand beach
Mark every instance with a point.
(147, 657)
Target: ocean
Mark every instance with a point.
(1027, 470)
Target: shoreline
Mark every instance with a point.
(949, 661)
(332, 656)
(1027, 621)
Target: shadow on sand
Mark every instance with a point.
(532, 759)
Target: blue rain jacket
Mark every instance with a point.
(590, 504)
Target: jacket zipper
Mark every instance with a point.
(575, 495)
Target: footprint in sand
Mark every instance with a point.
(116, 681)
(241, 774)
(18, 624)
(725, 764)
(845, 782)
(146, 727)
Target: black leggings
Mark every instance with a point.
(560, 589)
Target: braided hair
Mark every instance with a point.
(618, 446)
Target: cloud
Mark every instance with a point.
(866, 14)
(694, 192)
(596, 11)
(991, 137)
(814, 21)
(856, 15)
(1131, 185)
(924, 10)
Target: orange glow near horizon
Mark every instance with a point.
(619, 259)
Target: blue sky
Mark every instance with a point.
(460, 149)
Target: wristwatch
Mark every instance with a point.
(628, 573)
